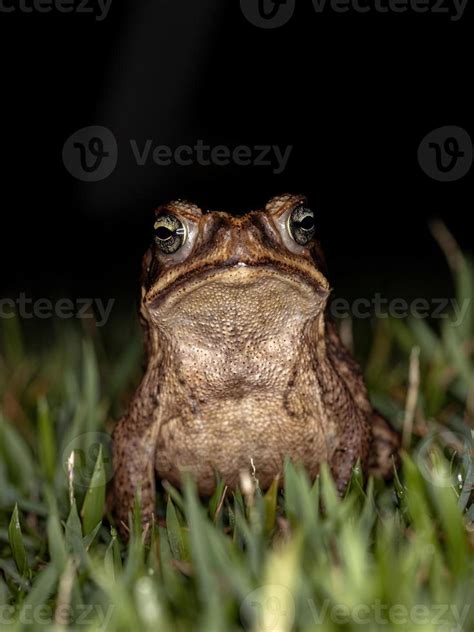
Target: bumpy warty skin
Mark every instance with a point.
(244, 364)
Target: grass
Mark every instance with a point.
(383, 557)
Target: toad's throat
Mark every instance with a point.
(224, 337)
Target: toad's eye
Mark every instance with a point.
(301, 225)
(170, 233)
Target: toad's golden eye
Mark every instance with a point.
(170, 233)
(301, 224)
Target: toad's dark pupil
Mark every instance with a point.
(307, 223)
(163, 233)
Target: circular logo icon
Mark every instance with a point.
(268, 609)
(90, 154)
(445, 459)
(445, 154)
(85, 448)
(267, 14)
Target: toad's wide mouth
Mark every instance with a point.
(236, 276)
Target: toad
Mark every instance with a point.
(245, 366)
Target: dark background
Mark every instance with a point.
(353, 93)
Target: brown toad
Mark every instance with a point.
(244, 364)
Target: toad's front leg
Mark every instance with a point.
(134, 470)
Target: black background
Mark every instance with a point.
(353, 93)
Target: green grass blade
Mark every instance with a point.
(74, 538)
(15, 539)
(176, 534)
(93, 506)
(47, 441)
(14, 450)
